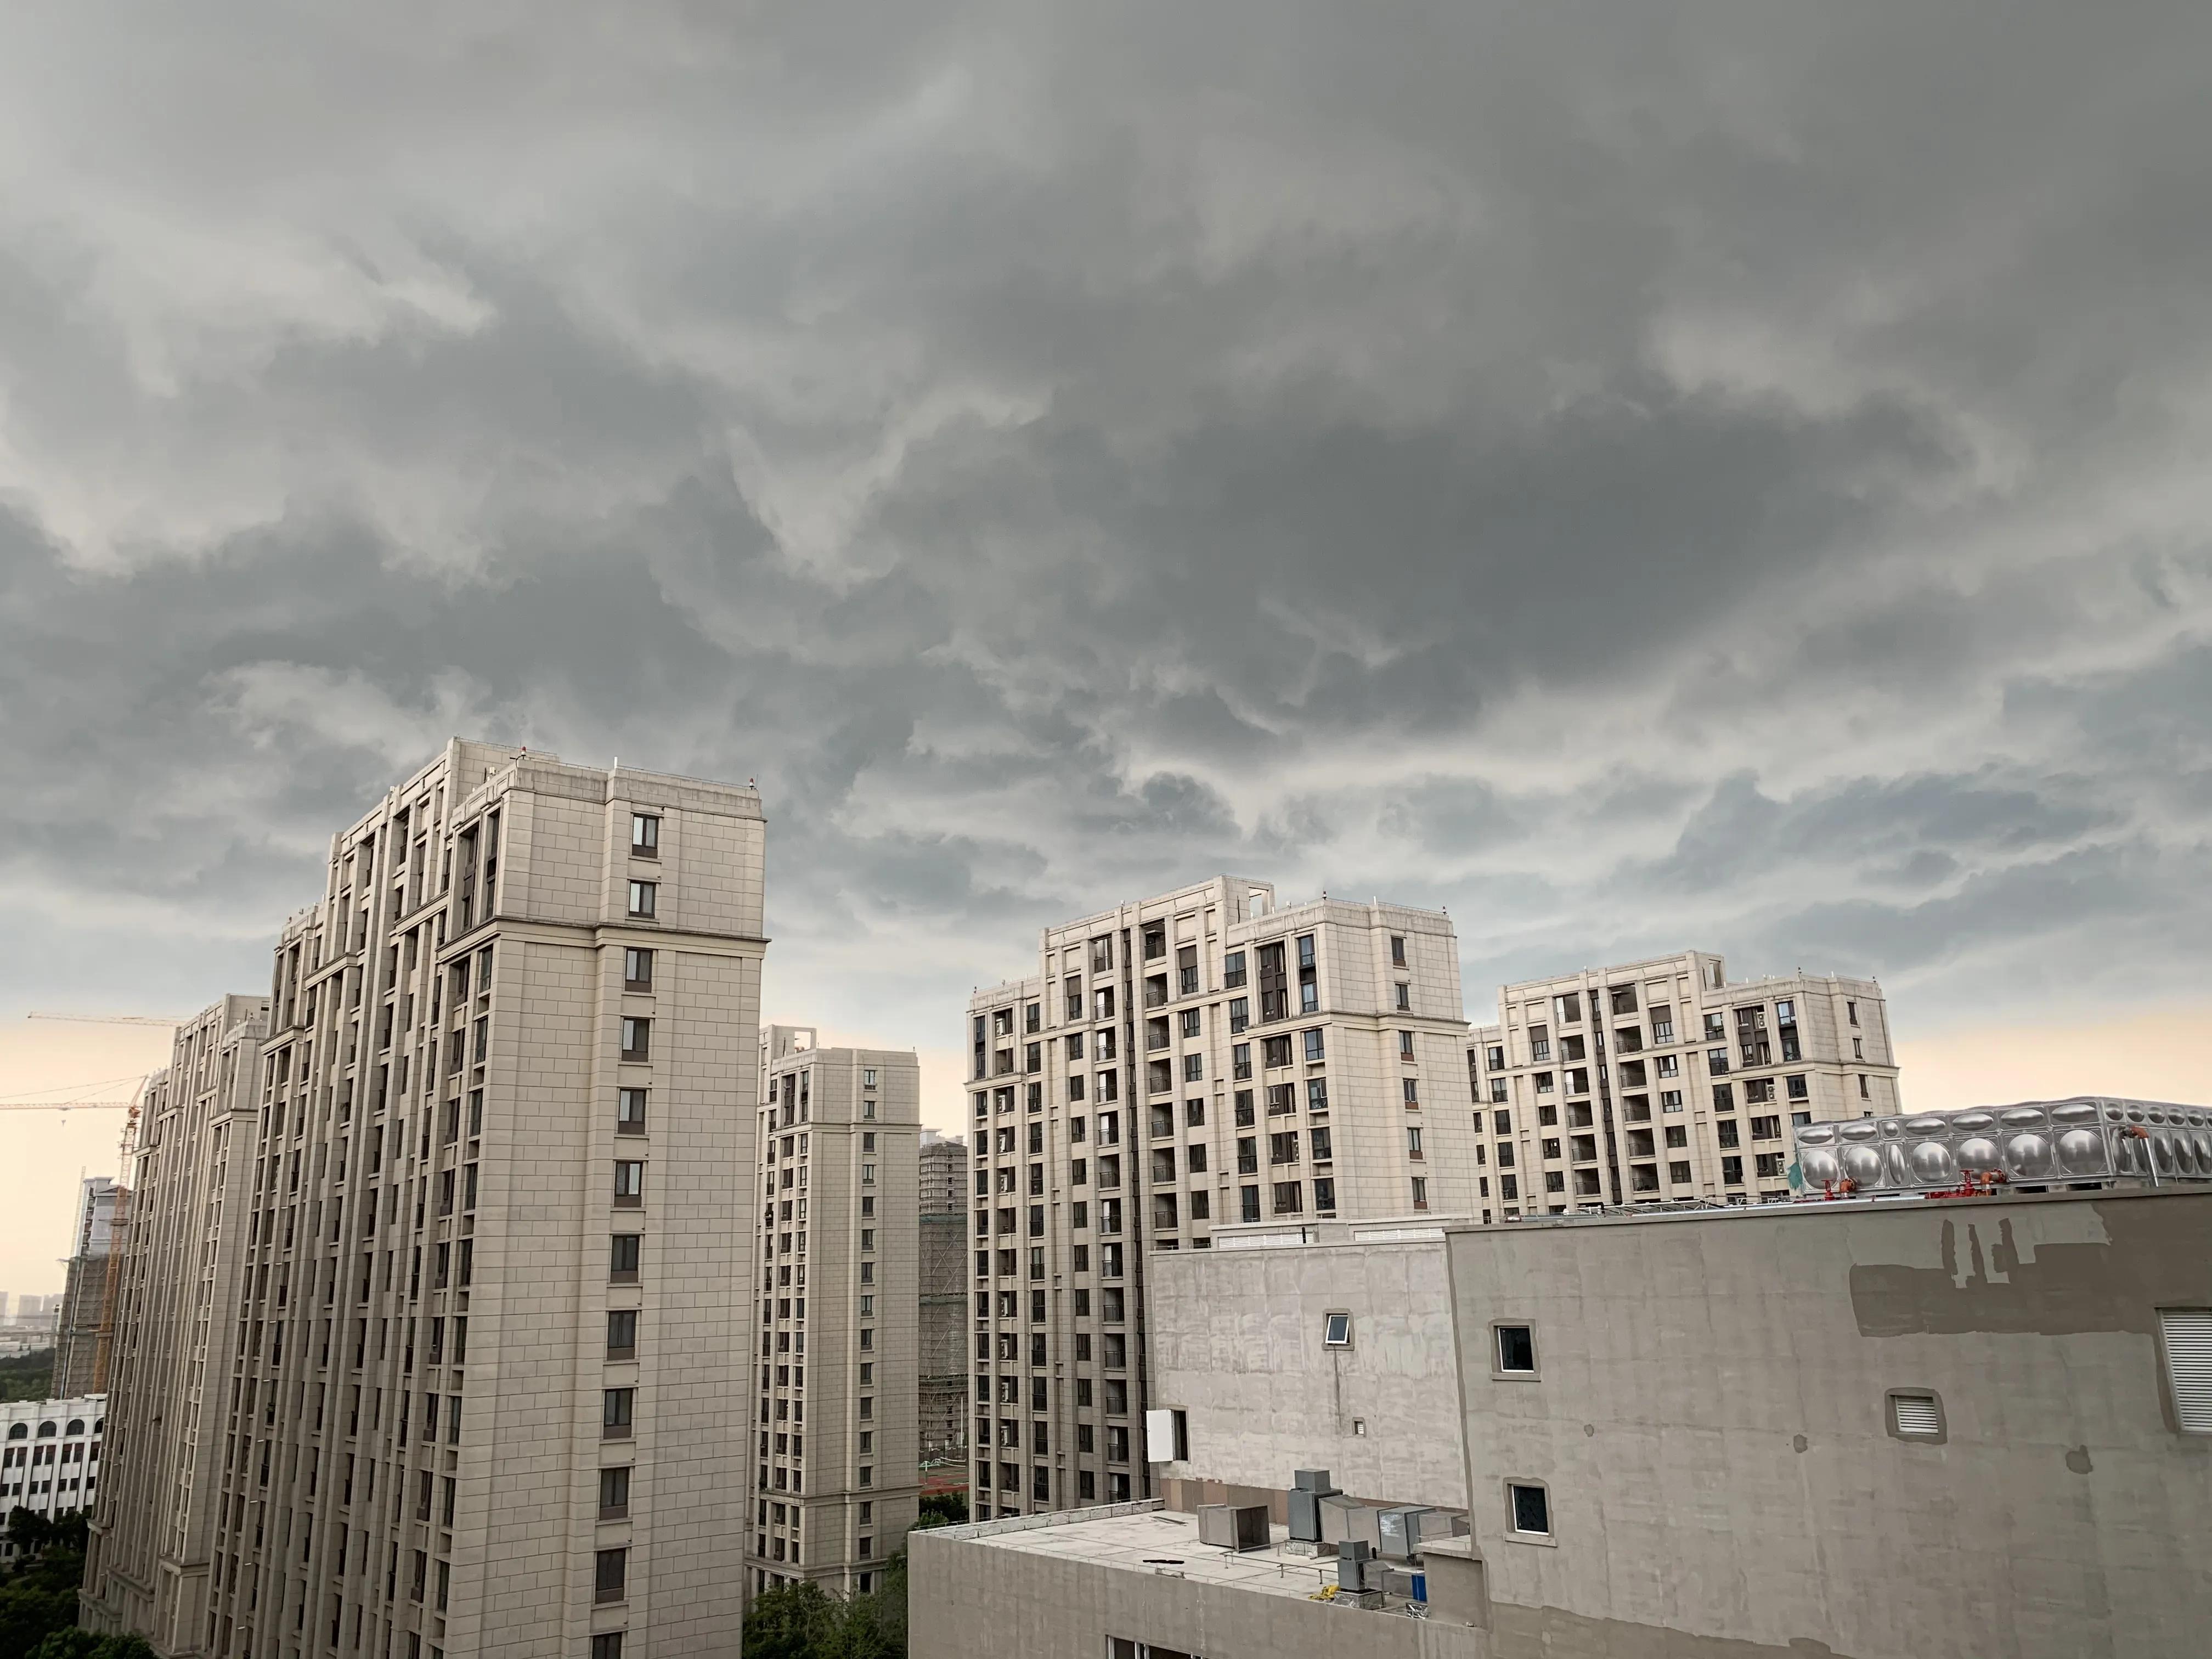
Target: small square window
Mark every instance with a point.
(1516, 1350)
(1530, 1507)
(1336, 1331)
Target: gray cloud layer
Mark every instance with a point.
(1639, 473)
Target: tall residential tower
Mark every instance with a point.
(1200, 1059)
(479, 1387)
(836, 1480)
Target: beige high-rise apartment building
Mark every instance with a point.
(151, 1553)
(1198, 1058)
(478, 1388)
(1659, 1081)
(836, 1477)
(943, 1296)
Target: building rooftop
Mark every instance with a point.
(1147, 1538)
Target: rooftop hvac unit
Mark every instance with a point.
(1400, 1530)
(1313, 1485)
(2091, 1138)
(1233, 1526)
(1347, 1520)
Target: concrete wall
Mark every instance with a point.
(1710, 1417)
(1237, 1343)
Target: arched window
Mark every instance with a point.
(76, 1426)
(47, 1431)
(99, 1427)
(19, 1430)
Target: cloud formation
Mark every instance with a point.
(1639, 472)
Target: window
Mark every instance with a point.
(1315, 1047)
(1336, 1330)
(1278, 1052)
(636, 1040)
(2186, 1337)
(1289, 1198)
(1420, 1192)
(1795, 1087)
(629, 1111)
(1863, 1094)
(617, 1413)
(621, 1333)
(644, 836)
(629, 1183)
(1915, 1416)
(610, 1575)
(1413, 1141)
(1516, 1350)
(643, 897)
(637, 970)
(607, 1646)
(1233, 971)
(1404, 993)
(614, 1493)
(1530, 1509)
(622, 1265)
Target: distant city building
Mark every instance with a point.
(837, 1483)
(50, 1461)
(944, 1322)
(475, 1385)
(1884, 1428)
(81, 1326)
(1661, 1080)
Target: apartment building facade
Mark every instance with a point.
(82, 1330)
(836, 1478)
(944, 1258)
(1662, 1079)
(179, 1273)
(476, 1390)
(50, 1457)
(1198, 1058)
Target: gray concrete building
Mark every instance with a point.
(1198, 1058)
(83, 1327)
(836, 1473)
(1661, 1080)
(1875, 1430)
(180, 1278)
(943, 1285)
(481, 1387)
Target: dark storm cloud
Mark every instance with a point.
(1639, 474)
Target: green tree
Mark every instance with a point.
(38, 1593)
(799, 1621)
(788, 1622)
(74, 1643)
(942, 1509)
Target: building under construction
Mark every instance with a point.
(84, 1329)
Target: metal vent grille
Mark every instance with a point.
(2188, 1334)
(1918, 1414)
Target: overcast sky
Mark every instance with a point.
(1640, 474)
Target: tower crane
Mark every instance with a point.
(129, 1107)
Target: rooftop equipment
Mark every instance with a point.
(2089, 1140)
